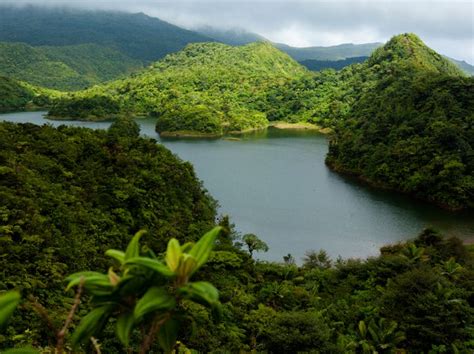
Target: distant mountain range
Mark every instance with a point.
(69, 49)
(314, 58)
(136, 35)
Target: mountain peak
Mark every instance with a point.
(409, 50)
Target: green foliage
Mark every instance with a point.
(410, 129)
(69, 194)
(14, 96)
(147, 297)
(254, 244)
(65, 67)
(8, 303)
(206, 88)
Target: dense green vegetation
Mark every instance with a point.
(70, 194)
(208, 88)
(65, 67)
(14, 96)
(403, 118)
(137, 36)
(413, 130)
(19, 96)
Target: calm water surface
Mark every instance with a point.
(275, 184)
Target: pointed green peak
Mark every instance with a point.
(409, 50)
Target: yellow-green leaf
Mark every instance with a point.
(152, 264)
(173, 254)
(8, 304)
(133, 248)
(116, 254)
(202, 249)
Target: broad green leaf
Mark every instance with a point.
(8, 304)
(168, 334)
(187, 265)
(92, 282)
(154, 299)
(201, 292)
(152, 264)
(124, 326)
(92, 323)
(116, 254)
(203, 247)
(173, 254)
(133, 248)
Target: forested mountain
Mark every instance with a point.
(337, 52)
(69, 194)
(64, 67)
(318, 65)
(234, 36)
(137, 36)
(464, 66)
(205, 88)
(412, 129)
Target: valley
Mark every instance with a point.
(188, 188)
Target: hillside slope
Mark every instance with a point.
(411, 130)
(65, 67)
(19, 96)
(207, 88)
(136, 35)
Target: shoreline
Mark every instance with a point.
(299, 126)
(334, 167)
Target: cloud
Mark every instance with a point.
(446, 26)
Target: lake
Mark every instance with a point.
(275, 184)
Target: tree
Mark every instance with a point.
(320, 259)
(254, 244)
(124, 127)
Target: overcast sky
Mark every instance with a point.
(445, 25)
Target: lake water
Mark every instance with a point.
(275, 184)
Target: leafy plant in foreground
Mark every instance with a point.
(8, 303)
(147, 293)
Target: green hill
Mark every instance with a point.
(19, 96)
(411, 129)
(66, 67)
(137, 36)
(208, 88)
(14, 96)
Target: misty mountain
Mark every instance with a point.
(234, 36)
(136, 35)
(317, 65)
(337, 52)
